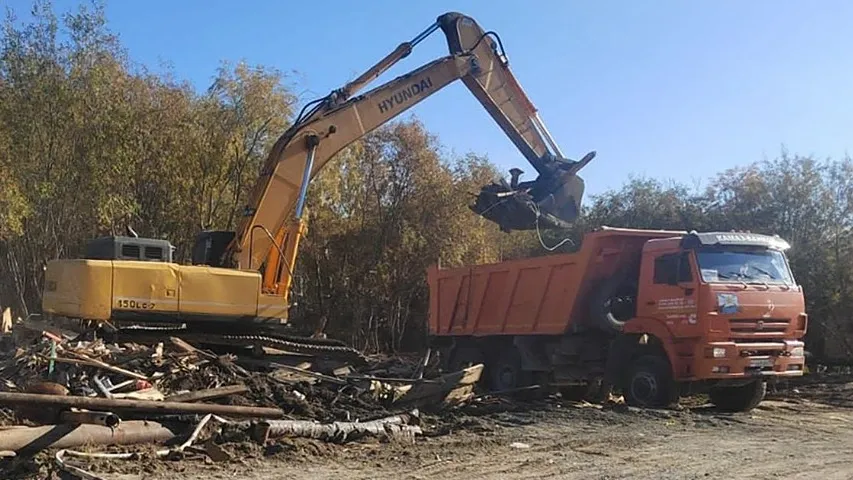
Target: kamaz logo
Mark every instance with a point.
(402, 96)
(769, 312)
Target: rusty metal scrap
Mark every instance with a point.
(35, 439)
(107, 419)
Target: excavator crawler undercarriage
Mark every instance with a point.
(223, 338)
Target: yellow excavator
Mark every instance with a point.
(236, 290)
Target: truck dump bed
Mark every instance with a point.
(541, 295)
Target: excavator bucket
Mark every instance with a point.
(551, 202)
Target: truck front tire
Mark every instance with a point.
(742, 398)
(649, 383)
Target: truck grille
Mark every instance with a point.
(763, 328)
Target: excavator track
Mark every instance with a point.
(326, 348)
(287, 344)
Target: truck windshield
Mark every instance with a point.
(744, 265)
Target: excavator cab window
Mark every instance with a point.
(210, 246)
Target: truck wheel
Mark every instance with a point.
(739, 399)
(649, 383)
(574, 393)
(614, 301)
(463, 357)
(505, 372)
(592, 392)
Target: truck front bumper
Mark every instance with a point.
(719, 360)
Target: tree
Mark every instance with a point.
(91, 143)
(380, 214)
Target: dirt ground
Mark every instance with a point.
(802, 433)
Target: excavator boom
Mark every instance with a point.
(272, 224)
(236, 290)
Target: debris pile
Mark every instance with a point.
(62, 390)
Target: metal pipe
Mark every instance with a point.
(272, 240)
(107, 419)
(424, 34)
(313, 141)
(402, 51)
(94, 403)
(545, 133)
(34, 439)
(102, 386)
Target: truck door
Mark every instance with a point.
(671, 294)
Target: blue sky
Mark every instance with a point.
(663, 89)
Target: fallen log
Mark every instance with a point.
(94, 403)
(34, 439)
(395, 427)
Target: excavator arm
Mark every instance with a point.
(273, 223)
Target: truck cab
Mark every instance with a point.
(725, 306)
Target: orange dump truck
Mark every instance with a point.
(653, 314)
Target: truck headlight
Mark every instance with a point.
(797, 352)
(719, 352)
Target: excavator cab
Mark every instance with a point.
(551, 201)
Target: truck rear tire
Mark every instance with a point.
(464, 356)
(649, 383)
(504, 370)
(592, 392)
(742, 398)
(614, 301)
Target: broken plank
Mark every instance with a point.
(107, 366)
(208, 394)
(183, 345)
(453, 388)
(289, 368)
